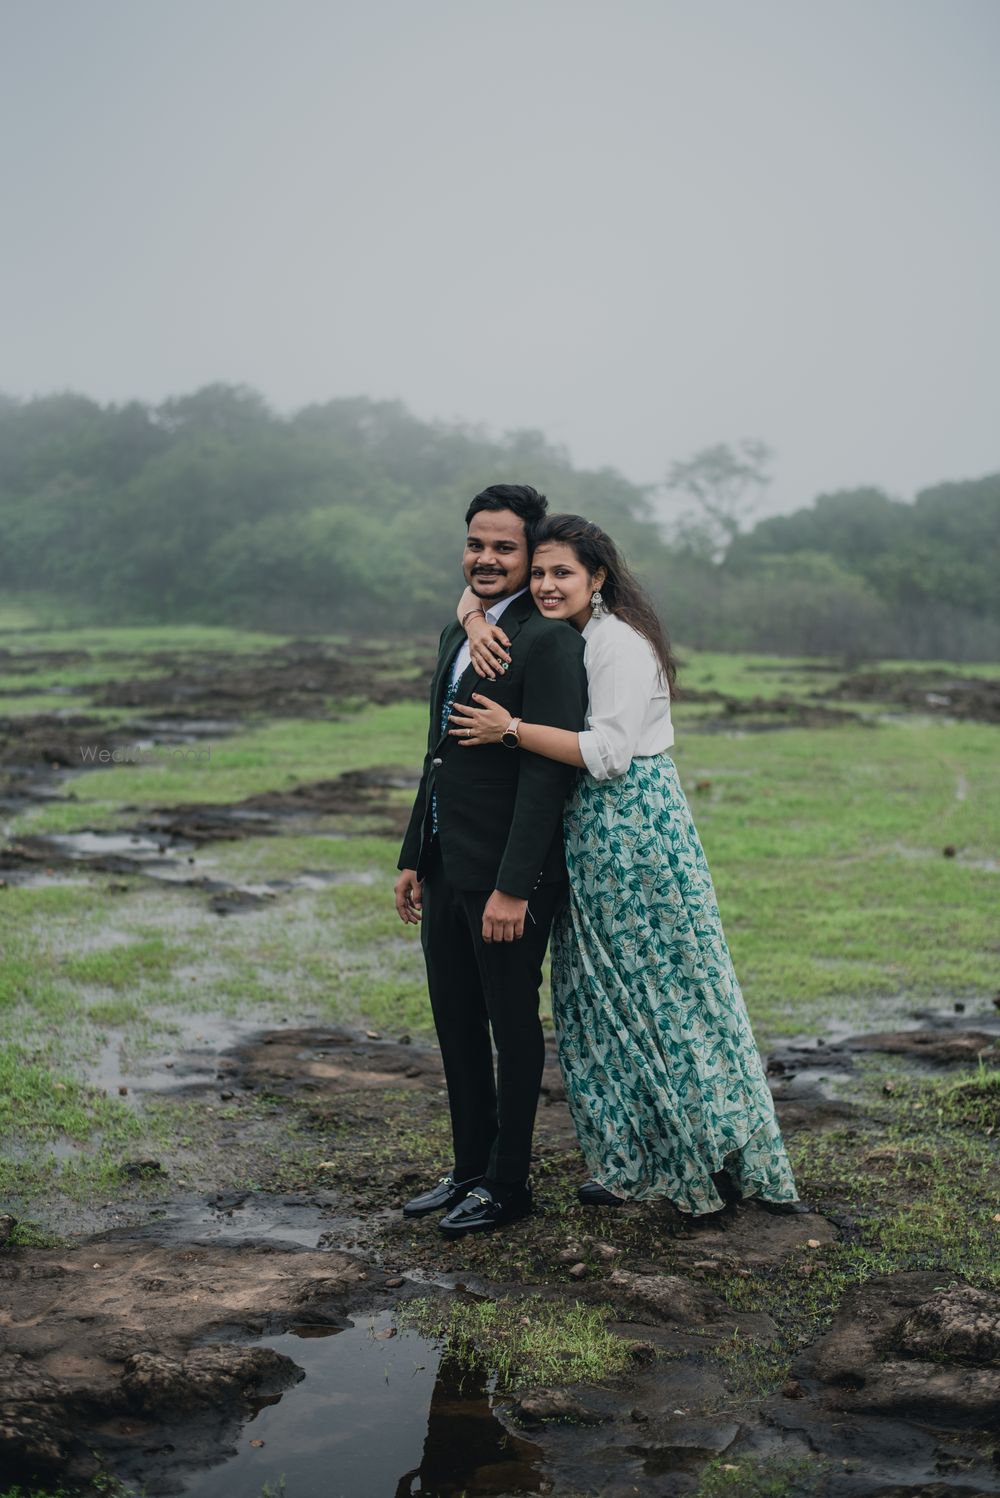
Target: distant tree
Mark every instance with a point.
(721, 487)
(348, 515)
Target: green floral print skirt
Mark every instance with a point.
(662, 1075)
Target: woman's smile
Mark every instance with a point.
(560, 585)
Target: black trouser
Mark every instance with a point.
(475, 986)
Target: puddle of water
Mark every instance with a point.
(237, 1216)
(195, 1053)
(182, 730)
(988, 865)
(90, 844)
(26, 878)
(376, 1416)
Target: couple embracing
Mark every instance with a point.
(550, 804)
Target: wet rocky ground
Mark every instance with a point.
(937, 693)
(195, 1334)
(147, 1348)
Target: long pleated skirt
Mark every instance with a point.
(663, 1079)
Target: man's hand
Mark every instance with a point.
(409, 895)
(503, 918)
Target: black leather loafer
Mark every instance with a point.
(481, 1211)
(592, 1194)
(441, 1197)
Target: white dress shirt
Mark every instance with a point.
(464, 656)
(628, 715)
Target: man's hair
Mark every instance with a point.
(522, 499)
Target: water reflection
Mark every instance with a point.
(466, 1449)
(378, 1414)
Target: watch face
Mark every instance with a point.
(509, 739)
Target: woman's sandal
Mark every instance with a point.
(593, 1194)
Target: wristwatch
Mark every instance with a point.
(509, 737)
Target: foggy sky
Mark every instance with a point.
(641, 226)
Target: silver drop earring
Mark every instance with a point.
(597, 605)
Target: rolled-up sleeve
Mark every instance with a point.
(622, 673)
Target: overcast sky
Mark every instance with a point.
(642, 226)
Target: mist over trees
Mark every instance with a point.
(347, 515)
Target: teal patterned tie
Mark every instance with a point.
(446, 707)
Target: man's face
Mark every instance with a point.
(496, 554)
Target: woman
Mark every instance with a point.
(662, 1075)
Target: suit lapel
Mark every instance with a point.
(449, 645)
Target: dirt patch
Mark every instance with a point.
(356, 793)
(295, 680)
(765, 714)
(22, 663)
(935, 1046)
(106, 1332)
(54, 739)
(156, 1345)
(966, 697)
(164, 842)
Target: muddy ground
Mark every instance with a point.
(136, 1347)
(794, 1351)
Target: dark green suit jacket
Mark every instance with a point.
(500, 810)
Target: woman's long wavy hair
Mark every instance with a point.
(623, 595)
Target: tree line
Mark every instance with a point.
(347, 515)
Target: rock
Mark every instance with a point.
(947, 1396)
(960, 1324)
(394, 1283)
(554, 1404)
(205, 1376)
(677, 1440)
(859, 1358)
(577, 1271)
(666, 1297)
(36, 1422)
(606, 1251)
(7, 1226)
(847, 1352)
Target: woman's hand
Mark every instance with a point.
(478, 725)
(489, 647)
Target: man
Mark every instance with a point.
(482, 870)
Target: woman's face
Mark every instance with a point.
(560, 584)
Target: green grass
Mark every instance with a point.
(35, 1105)
(273, 756)
(825, 848)
(38, 1110)
(758, 1476)
(523, 1341)
(826, 851)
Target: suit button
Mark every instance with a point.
(437, 761)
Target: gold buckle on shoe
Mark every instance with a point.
(486, 1200)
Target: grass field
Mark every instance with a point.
(826, 846)
(856, 865)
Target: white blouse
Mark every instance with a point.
(628, 715)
